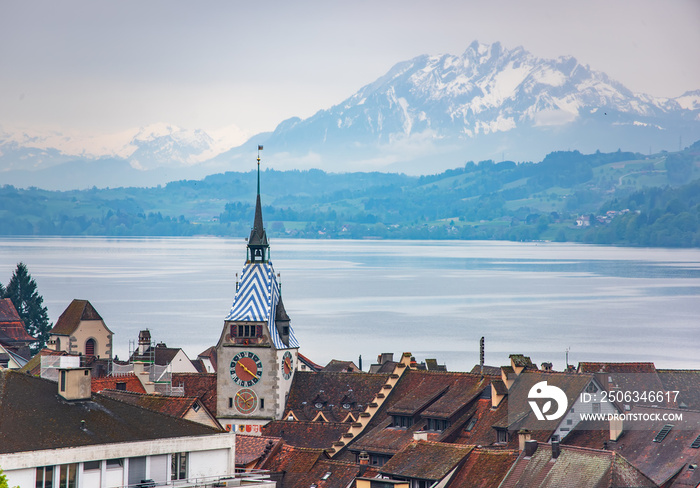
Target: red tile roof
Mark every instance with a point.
(484, 468)
(250, 449)
(199, 385)
(426, 460)
(686, 382)
(331, 393)
(588, 367)
(168, 405)
(575, 467)
(318, 435)
(11, 326)
(662, 460)
(132, 383)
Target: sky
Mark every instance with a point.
(98, 70)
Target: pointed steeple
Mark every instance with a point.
(258, 245)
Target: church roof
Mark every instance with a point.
(257, 299)
(70, 319)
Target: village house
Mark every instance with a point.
(64, 435)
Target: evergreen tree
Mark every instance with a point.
(30, 306)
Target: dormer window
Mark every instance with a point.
(318, 405)
(403, 421)
(346, 406)
(437, 425)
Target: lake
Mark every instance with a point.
(435, 299)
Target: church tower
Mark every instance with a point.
(257, 350)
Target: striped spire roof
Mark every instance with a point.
(256, 301)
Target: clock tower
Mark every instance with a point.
(257, 350)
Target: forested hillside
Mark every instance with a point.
(612, 198)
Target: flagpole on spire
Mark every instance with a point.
(259, 149)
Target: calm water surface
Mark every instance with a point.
(346, 298)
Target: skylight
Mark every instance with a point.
(663, 433)
(696, 443)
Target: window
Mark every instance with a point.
(470, 425)
(178, 466)
(121, 385)
(68, 476)
(501, 435)
(262, 404)
(246, 331)
(115, 463)
(196, 407)
(90, 347)
(438, 424)
(285, 330)
(44, 477)
(595, 407)
(402, 421)
(63, 381)
(90, 465)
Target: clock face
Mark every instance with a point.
(287, 365)
(246, 400)
(246, 368)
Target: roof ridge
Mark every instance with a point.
(314, 422)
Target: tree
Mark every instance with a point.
(3, 481)
(22, 290)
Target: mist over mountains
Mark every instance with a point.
(423, 116)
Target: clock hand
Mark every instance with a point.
(249, 371)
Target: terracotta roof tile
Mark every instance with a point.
(168, 405)
(327, 474)
(660, 461)
(293, 463)
(575, 467)
(686, 382)
(331, 393)
(426, 460)
(255, 448)
(384, 439)
(12, 329)
(484, 468)
(588, 367)
(318, 435)
(199, 385)
(130, 382)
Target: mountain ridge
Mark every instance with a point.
(425, 114)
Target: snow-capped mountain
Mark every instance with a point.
(424, 115)
(488, 102)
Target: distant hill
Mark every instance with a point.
(609, 198)
(424, 116)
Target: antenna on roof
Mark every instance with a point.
(260, 148)
(567, 357)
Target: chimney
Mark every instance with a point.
(363, 458)
(74, 383)
(615, 428)
(530, 448)
(556, 449)
(420, 435)
(523, 437)
(547, 366)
